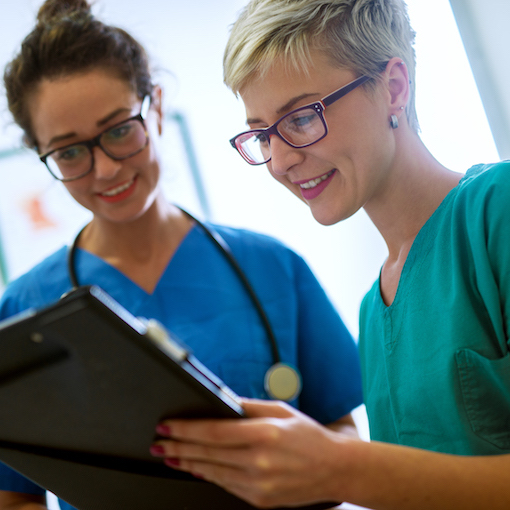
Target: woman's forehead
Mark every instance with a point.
(76, 103)
(278, 87)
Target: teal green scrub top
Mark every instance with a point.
(436, 363)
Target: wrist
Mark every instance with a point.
(349, 460)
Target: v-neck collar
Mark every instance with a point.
(98, 271)
(422, 244)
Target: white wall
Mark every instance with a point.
(484, 30)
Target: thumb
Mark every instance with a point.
(267, 408)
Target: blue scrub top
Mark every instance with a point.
(200, 299)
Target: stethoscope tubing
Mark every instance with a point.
(282, 381)
(225, 250)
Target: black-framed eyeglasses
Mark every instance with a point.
(120, 141)
(299, 128)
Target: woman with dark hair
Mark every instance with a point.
(83, 93)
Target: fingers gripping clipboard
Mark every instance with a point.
(83, 384)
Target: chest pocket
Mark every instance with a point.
(485, 387)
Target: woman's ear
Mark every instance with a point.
(398, 86)
(157, 105)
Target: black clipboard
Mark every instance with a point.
(83, 384)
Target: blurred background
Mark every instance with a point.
(463, 108)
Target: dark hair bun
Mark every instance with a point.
(52, 9)
(66, 40)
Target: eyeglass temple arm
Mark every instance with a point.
(344, 90)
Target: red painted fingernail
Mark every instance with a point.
(157, 450)
(163, 430)
(196, 475)
(171, 461)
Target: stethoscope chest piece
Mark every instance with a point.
(282, 382)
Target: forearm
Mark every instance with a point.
(280, 457)
(389, 477)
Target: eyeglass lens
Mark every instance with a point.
(299, 128)
(119, 142)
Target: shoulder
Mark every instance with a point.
(484, 183)
(479, 215)
(244, 237)
(480, 201)
(265, 255)
(43, 284)
(255, 244)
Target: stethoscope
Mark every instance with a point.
(282, 381)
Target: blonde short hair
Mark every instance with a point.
(361, 35)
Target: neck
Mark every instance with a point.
(161, 228)
(140, 249)
(415, 187)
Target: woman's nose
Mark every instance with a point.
(105, 167)
(283, 156)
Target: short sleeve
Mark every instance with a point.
(328, 355)
(484, 217)
(498, 235)
(309, 330)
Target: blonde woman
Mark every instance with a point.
(328, 87)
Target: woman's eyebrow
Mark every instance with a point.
(286, 107)
(99, 123)
(112, 115)
(60, 138)
(291, 103)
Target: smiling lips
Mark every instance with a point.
(314, 187)
(119, 192)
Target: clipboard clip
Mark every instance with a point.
(158, 334)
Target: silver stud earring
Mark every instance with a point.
(394, 121)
